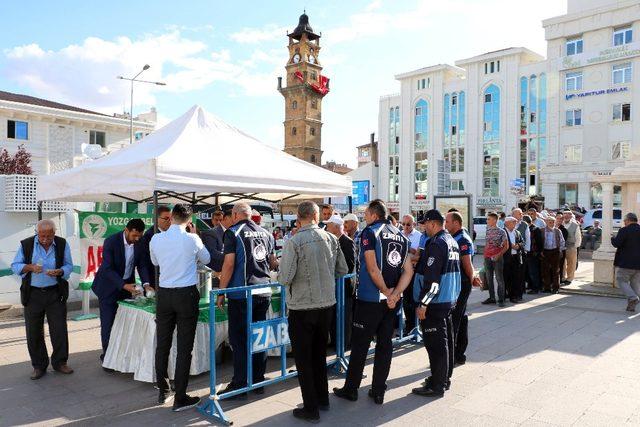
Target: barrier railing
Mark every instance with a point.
(273, 333)
(340, 363)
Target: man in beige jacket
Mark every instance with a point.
(311, 262)
(574, 241)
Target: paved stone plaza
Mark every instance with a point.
(553, 360)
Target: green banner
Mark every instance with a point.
(95, 227)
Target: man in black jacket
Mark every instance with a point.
(627, 259)
(533, 257)
(213, 241)
(513, 261)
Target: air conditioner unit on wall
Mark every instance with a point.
(20, 195)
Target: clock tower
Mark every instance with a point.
(305, 88)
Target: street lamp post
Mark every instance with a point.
(132, 80)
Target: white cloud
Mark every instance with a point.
(374, 5)
(258, 35)
(85, 74)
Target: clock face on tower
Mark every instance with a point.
(296, 58)
(312, 59)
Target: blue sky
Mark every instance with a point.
(226, 55)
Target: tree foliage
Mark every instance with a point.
(18, 164)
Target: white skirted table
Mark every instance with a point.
(132, 344)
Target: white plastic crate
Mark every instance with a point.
(20, 195)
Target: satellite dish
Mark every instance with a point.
(92, 151)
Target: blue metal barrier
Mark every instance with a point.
(275, 335)
(340, 363)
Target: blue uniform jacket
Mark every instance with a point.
(391, 249)
(441, 275)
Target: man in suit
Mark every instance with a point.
(115, 279)
(163, 219)
(514, 261)
(213, 240)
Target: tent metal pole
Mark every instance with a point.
(40, 210)
(350, 204)
(155, 230)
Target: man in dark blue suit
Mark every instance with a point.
(115, 279)
(163, 218)
(213, 241)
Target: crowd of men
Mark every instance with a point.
(538, 251)
(427, 275)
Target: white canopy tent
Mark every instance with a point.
(195, 158)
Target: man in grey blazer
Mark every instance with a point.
(213, 239)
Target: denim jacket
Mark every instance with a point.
(311, 262)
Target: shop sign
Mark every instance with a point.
(489, 201)
(393, 206)
(606, 55)
(595, 92)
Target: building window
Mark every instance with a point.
(524, 96)
(97, 137)
(421, 131)
(312, 131)
(573, 81)
(313, 158)
(542, 104)
(574, 117)
(573, 154)
(533, 104)
(620, 150)
(457, 185)
(622, 73)
(424, 83)
(621, 112)
(567, 194)
(491, 169)
(17, 130)
(314, 104)
(453, 142)
(394, 150)
(492, 67)
(491, 113)
(596, 199)
(294, 131)
(574, 46)
(622, 36)
(421, 125)
(314, 77)
(294, 105)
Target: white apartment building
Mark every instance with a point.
(58, 137)
(513, 124)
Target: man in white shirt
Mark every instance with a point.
(537, 219)
(409, 231)
(177, 252)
